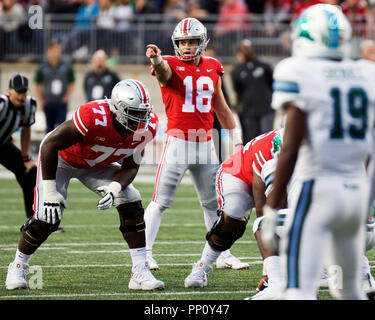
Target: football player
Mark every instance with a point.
(191, 90)
(329, 104)
(100, 134)
(239, 188)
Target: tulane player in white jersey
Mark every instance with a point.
(329, 104)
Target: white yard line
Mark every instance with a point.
(131, 294)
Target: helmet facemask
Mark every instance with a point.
(190, 29)
(130, 104)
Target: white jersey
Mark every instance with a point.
(339, 99)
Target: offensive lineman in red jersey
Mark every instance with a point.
(101, 133)
(239, 187)
(191, 90)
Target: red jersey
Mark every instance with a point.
(102, 144)
(189, 94)
(250, 158)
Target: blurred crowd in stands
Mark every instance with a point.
(110, 17)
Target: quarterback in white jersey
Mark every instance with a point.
(329, 103)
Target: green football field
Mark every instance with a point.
(91, 260)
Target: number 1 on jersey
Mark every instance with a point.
(205, 90)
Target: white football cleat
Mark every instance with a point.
(269, 293)
(198, 276)
(231, 262)
(152, 263)
(16, 277)
(142, 278)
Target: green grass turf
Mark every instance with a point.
(91, 260)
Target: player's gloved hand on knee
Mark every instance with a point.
(53, 202)
(109, 193)
(269, 224)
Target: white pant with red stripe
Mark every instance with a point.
(91, 178)
(234, 196)
(177, 157)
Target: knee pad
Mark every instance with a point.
(227, 237)
(35, 232)
(131, 211)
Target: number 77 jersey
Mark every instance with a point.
(102, 144)
(188, 96)
(338, 98)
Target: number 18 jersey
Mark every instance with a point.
(188, 96)
(338, 98)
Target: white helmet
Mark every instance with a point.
(190, 28)
(130, 103)
(322, 31)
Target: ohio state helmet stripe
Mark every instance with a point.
(142, 90)
(77, 121)
(185, 26)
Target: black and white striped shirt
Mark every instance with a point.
(11, 118)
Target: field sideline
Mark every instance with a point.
(90, 261)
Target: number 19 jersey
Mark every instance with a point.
(338, 98)
(188, 96)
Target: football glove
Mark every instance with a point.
(269, 228)
(53, 202)
(108, 193)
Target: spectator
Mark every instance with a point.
(54, 81)
(98, 82)
(195, 10)
(145, 7)
(252, 82)
(125, 40)
(356, 11)
(231, 23)
(174, 10)
(276, 13)
(12, 17)
(123, 14)
(60, 6)
(80, 36)
(105, 23)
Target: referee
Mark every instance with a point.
(17, 110)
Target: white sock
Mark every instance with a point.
(22, 258)
(274, 272)
(209, 255)
(152, 219)
(138, 255)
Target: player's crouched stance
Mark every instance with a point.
(101, 133)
